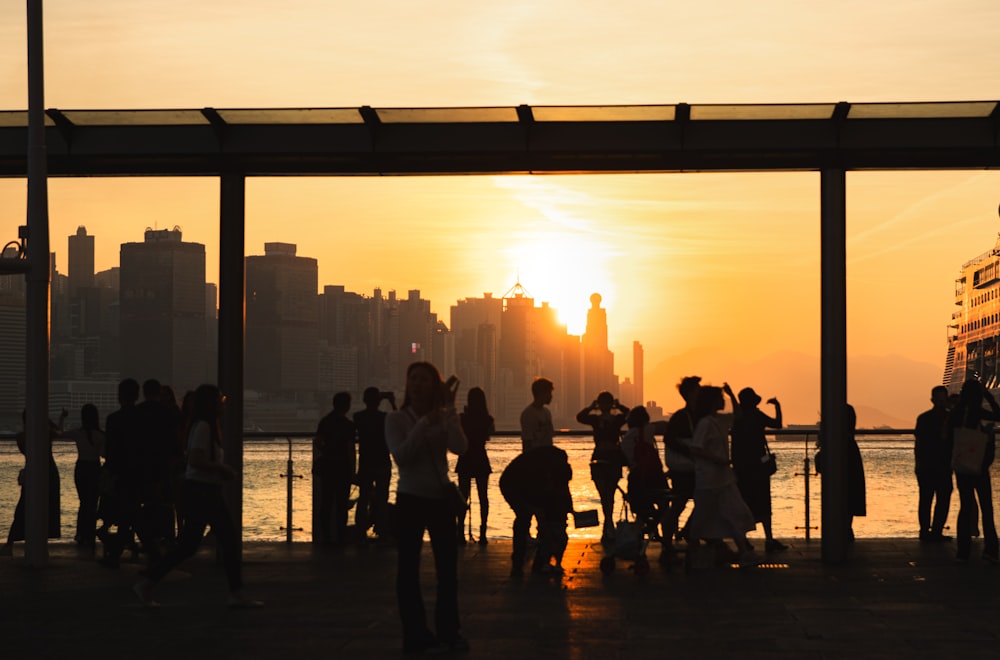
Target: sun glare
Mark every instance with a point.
(562, 270)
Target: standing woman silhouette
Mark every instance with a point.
(477, 424)
(419, 436)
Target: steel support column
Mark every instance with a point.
(37, 442)
(231, 300)
(833, 364)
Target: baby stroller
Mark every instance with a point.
(639, 522)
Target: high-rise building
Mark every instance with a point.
(638, 368)
(475, 326)
(282, 321)
(81, 260)
(412, 336)
(162, 310)
(598, 361)
(12, 348)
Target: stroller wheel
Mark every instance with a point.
(608, 565)
(641, 567)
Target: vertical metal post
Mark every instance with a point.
(36, 489)
(232, 222)
(833, 363)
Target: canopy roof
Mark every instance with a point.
(521, 139)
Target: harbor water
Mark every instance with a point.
(888, 461)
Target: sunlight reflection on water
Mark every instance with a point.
(891, 485)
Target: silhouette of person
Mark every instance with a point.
(536, 483)
(647, 483)
(419, 436)
(970, 413)
(374, 465)
(932, 464)
(89, 440)
(334, 447)
(536, 419)
(477, 424)
(750, 454)
(719, 510)
(175, 460)
(121, 501)
(155, 439)
(857, 505)
(203, 503)
(680, 464)
(606, 416)
(16, 532)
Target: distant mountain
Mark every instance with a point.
(885, 390)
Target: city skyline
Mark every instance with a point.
(723, 265)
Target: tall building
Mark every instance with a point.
(81, 261)
(162, 310)
(598, 361)
(412, 333)
(347, 342)
(475, 327)
(12, 348)
(638, 372)
(282, 321)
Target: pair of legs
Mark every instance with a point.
(552, 537)
(416, 514)
(971, 488)
(482, 489)
(203, 506)
(334, 504)
(605, 477)
(373, 501)
(681, 491)
(933, 488)
(85, 476)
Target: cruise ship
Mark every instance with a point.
(974, 332)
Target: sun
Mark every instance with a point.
(563, 270)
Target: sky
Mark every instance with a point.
(727, 263)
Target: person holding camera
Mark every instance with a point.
(419, 436)
(374, 465)
(753, 461)
(606, 415)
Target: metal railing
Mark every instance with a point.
(809, 437)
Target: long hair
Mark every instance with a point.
(476, 403)
(438, 399)
(90, 420)
(969, 411)
(205, 408)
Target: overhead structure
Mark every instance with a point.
(232, 144)
(510, 140)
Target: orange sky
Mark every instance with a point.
(682, 261)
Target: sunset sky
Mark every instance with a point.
(684, 262)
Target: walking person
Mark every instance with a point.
(932, 464)
(374, 465)
(477, 424)
(89, 440)
(606, 416)
(203, 504)
(419, 436)
(752, 460)
(974, 481)
(677, 457)
(719, 510)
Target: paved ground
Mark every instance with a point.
(894, 599)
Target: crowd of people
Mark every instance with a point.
(150, 482)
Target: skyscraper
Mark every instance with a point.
(598, 361)
(282, 321)
(162, 310)
(475, 325)
(81, 261)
